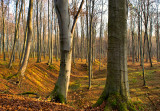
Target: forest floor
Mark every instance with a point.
(40, 80)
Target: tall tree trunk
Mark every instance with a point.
(3, 31)
(28, 43)
(73, 47)
(49, 61)
(90, 44)
(142, 56)
(133, 41)
(8, 51)
(56, 38)
(61, 87)
(44, 36)
(87, 32)
(38, 33)
(66, 35)
(117, 76)
(157, 36)
(16, 33)
(100, 39)
(51, 41)
(82, 37)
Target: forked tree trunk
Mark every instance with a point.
(59, 93)
(61, 87)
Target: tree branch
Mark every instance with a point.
(76, 17)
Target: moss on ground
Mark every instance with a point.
(76, 85)
(56, 97)
(115, 102)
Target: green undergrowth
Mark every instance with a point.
(12, 76)
(116, 102)
(56, 97)
(26, 93)
(5, 92)
(29, 93)
(53, 67)
(1, 76)
(75, 85)
(4, 63)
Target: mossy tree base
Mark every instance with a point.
(57, 97)
(115, 102)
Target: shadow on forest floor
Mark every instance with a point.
(40, 79)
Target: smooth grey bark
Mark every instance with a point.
(59, 93)
(100, 39)
(141, 49)
(157, 35)
(117, 76)
(44, 36)
(82, 37)
(90, 44)
(93, 42)
(28, 43)
(87, 32)
(24, 43)
(4, 9)
(3, 31)
(150, 34)
(77, 53)
(56, 38)
(133, 41)
(38, 33)
(73, 47)
(74, 35)
(8, 49)
(139, 33)
(34, 35)
(49, 34)
(16, 32)
(145, 9)
(51, 41)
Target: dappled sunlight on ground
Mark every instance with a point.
(40, 79)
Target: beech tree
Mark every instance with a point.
(17, 21)
(4, 9)
(117, 76)
(28, 43)
(59, 94)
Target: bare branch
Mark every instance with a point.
(76, 16)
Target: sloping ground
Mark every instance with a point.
(40, 80)
(17, 103)
(148, 96)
